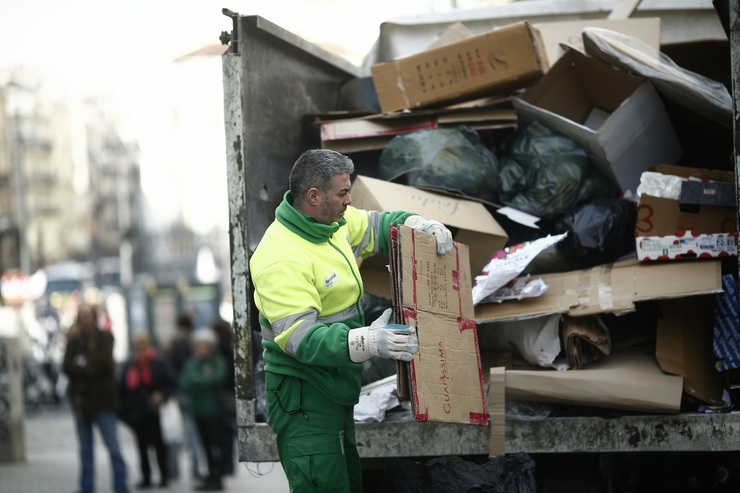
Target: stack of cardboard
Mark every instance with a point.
(437, 88)
(626, 127)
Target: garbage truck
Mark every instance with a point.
(273, 81)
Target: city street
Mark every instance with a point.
(52, 463)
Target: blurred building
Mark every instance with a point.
(117, 201)
(69, 184)
(44, 217)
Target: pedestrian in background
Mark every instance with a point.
(225, 335)
(88, 363)
(146, 383)
(179, 350)
(203, 378)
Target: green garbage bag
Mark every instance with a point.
(453, 159)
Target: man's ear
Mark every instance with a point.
(313, 196)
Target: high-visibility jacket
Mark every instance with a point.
(309, 292)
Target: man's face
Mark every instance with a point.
(333, 205)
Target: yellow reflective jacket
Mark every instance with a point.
(309, 292)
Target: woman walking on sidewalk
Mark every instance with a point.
(146, 383)
(89, 365)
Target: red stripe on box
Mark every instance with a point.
(479, 419)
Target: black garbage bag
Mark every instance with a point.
(452, 159)
(599, 231)
(545, 173)
(512, 473)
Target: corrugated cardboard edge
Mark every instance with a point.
(610, 288)
(497, 411)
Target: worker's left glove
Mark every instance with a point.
(440, 232)
(382, 340)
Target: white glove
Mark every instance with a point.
(383, 340)
(440, 232)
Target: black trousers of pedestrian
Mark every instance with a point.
(210, 431)
(228, 442)
(149, 434)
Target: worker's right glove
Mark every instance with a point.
(383, 340)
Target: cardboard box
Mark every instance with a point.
(630, 380)
(470, 222)
(610, 288)
(503, 60)
(433, 293)
(637, 133)
(686, 245)
(684, 346)
(568, 33)
(658, 216)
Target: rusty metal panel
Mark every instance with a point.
(654, 433)
(272, 79)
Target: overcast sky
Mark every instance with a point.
(97, 45)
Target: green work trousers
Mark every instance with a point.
(315, 437)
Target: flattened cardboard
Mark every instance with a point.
(503, 60)
(433, 293)
(627, 380)
(360, 134)
(638, 132)
(683, 346)
(610, 288)
(470, 221)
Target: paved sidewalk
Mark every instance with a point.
(52, 463)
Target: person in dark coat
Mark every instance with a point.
(88, 363)
(228, 398)
(203, 378)
(146, 383)
(178, 351)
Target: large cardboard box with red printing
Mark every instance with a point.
(499, 61)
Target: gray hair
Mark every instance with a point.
(204, 334)
(316, 168)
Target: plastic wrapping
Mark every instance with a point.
(536, 339)
(660, 185)
(698, 93)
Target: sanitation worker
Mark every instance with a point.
(309, 292)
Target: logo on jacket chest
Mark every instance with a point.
(331, 280)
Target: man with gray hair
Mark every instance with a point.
(309, 293)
